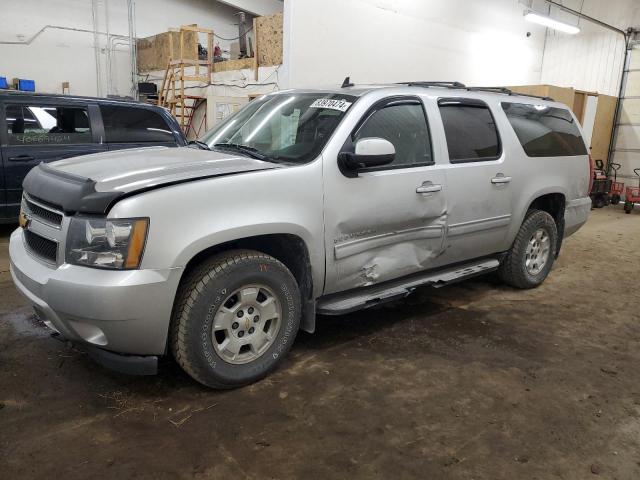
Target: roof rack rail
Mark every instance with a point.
(458, 85)
(433, 84)
(506, 91)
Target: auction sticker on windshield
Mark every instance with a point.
(331, 103)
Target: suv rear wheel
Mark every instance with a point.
(235, 318)
(532, 254)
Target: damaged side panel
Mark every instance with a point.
(386, 263)
(368, 242)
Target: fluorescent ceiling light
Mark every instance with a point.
(551, 23)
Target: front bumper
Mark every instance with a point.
(126, 312)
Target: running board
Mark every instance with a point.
(342, 303)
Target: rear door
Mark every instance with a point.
(127, 126)
(38, 130)
(479, 178)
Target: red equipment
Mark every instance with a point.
(632, 195)
(600, 184)
(616, 187)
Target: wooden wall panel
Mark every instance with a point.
(269, 40)
(602, 127)
(559, 94)
(154, 52)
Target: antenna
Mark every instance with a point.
(346, 83)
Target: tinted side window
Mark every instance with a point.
(470, 131)
(47, 125)
(130, 124)
(405, 126)
(545, 131)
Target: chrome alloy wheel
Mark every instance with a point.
(246, 324)
(538, 251)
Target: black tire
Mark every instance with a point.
(615, 199)
(513, 269)
(199, 298)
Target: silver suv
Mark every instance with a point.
(305, 202)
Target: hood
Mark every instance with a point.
(140, 168)
(93, 183)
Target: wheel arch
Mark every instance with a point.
(288, 248)
(554, 203)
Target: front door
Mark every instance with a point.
(40, 132)
(390, 221)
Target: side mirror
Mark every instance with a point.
(369, 152)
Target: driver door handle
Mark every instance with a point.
(428, 188)
(21, 158)
(500, 179)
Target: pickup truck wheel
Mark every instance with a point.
(531, 257)
(235, 318)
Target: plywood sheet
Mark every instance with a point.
(153, 53)
(537, 90)
(579, 105)
(238, 64)
(559, 94)
(269, 40)
(602, 126)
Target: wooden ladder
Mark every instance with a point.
(172, 93)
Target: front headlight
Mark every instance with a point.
(101, 243)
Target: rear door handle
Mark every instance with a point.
(428, 188)
(21, 158)
(500, 179)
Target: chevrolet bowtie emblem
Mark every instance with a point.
(23, 219)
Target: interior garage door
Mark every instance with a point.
(627, 144)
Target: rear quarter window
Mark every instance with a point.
(545, 131)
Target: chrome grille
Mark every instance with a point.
(42, 247)
(42, 212)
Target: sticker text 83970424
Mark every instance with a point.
(331, 103)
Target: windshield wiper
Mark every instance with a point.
(247, 150)
(199, 144)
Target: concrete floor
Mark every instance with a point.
(473, 381)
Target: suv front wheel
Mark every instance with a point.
(235, 318)
(532, 254)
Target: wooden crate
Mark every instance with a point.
(154, 52)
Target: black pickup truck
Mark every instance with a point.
(37, 128)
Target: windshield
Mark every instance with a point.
(288, 127)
